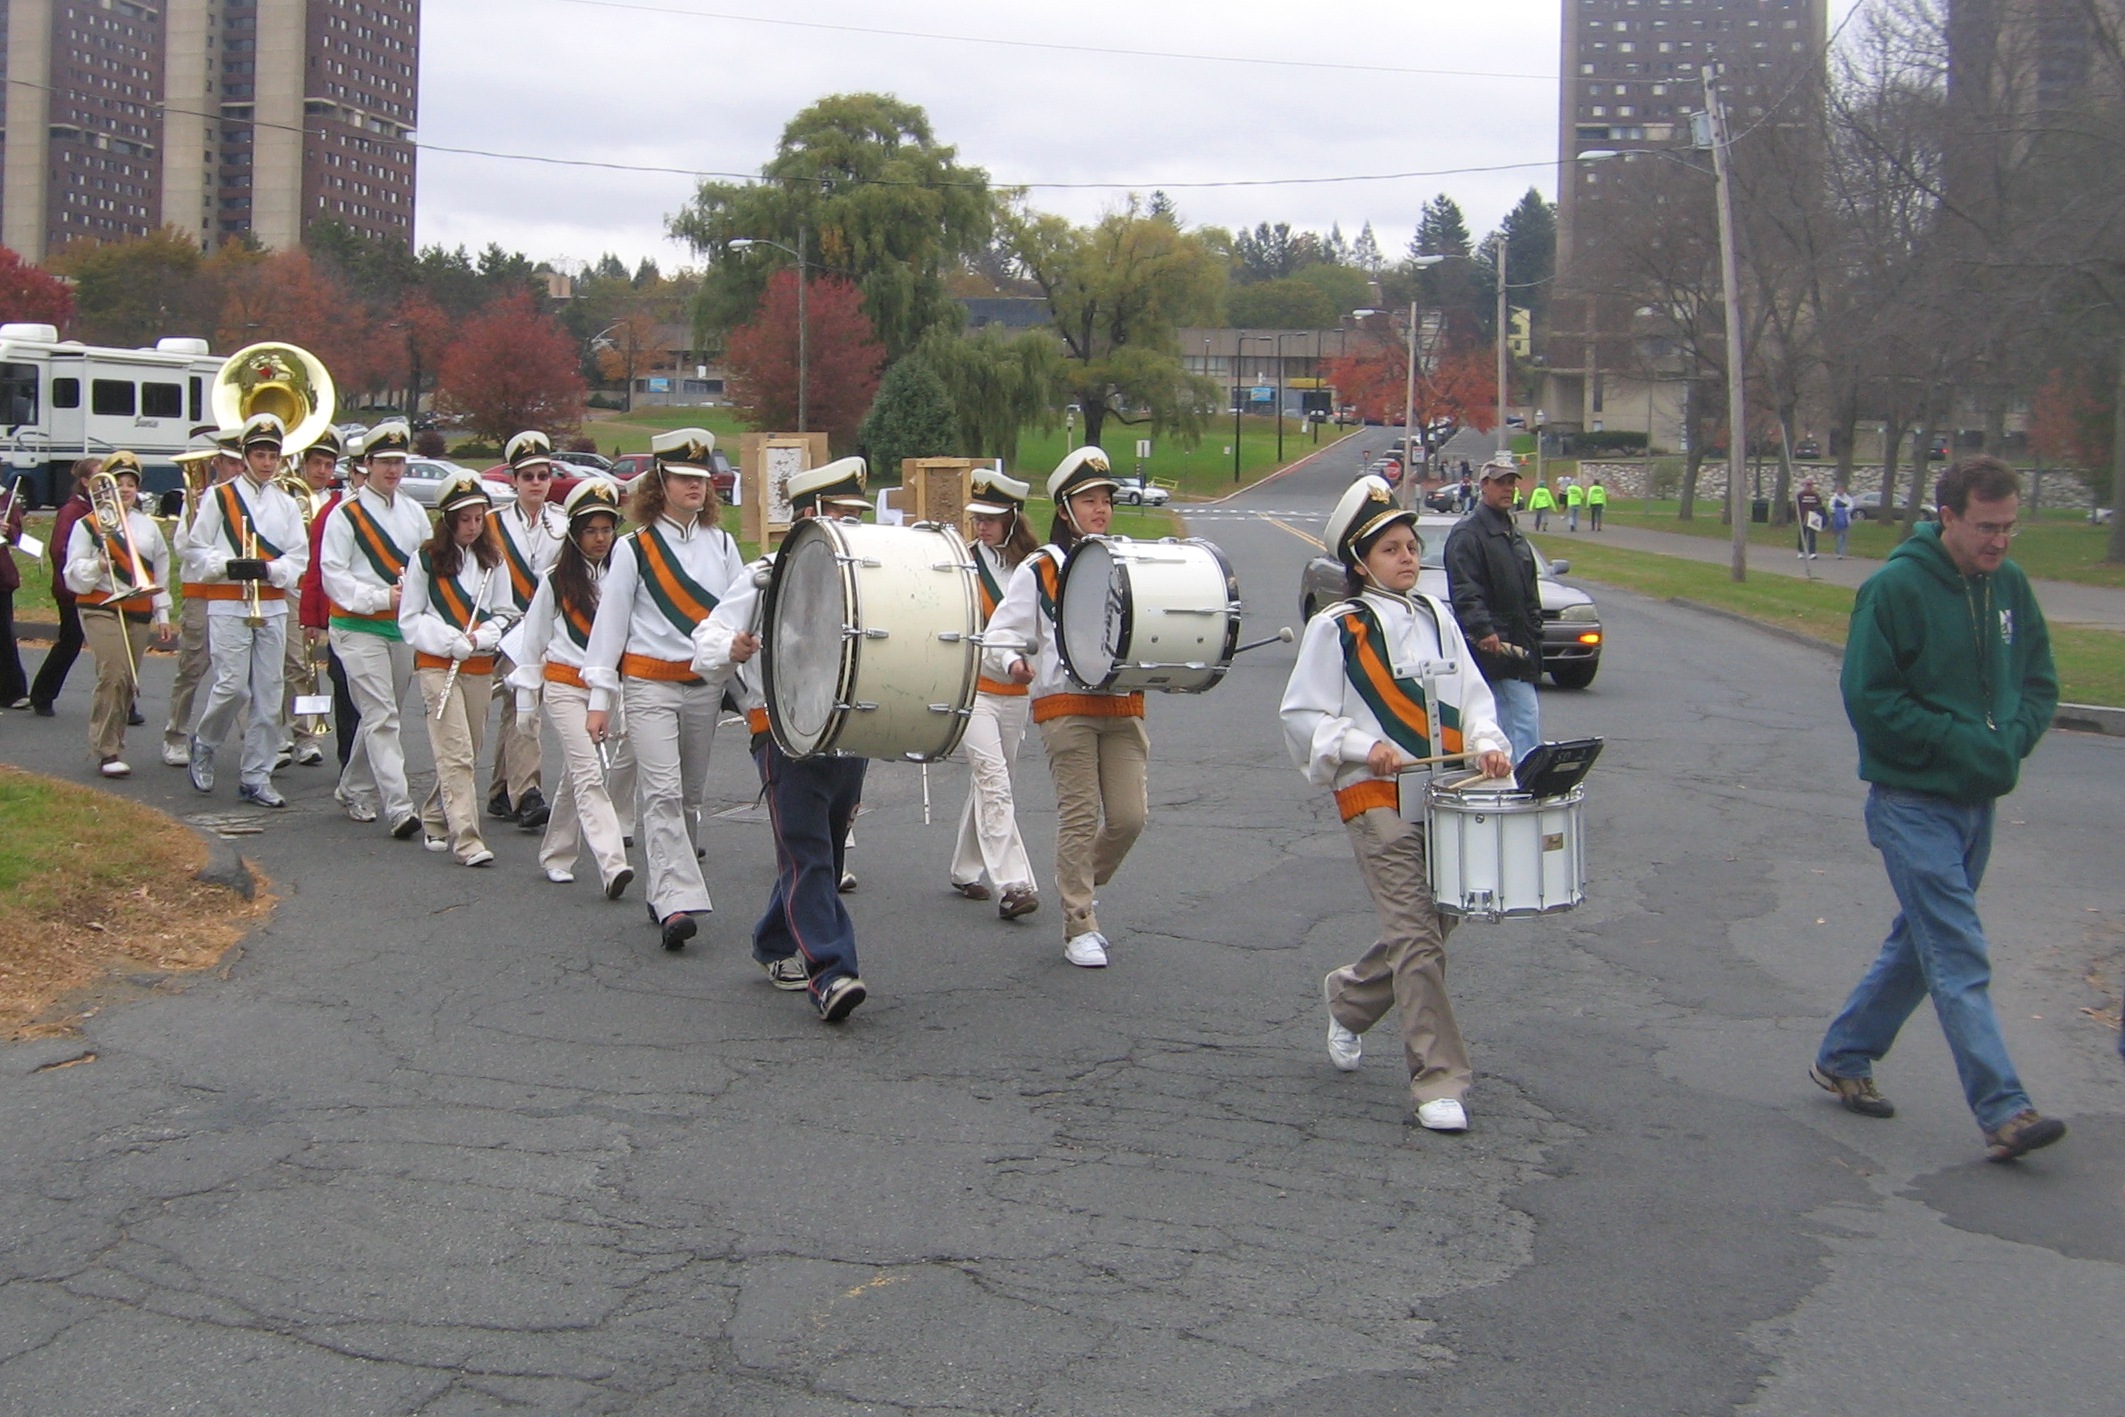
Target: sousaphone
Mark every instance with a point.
(284, 380)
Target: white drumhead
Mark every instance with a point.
(1093, 615)
(805, 644)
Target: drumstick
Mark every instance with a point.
(1439, 758)
(1283, 636)
(925, 794)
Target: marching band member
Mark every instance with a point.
(298, 743)
(555, 635)
(248, 551)
(1097, 748)
(666, 576)
(988, 829)
(805, 938)
(531, 532)
(103, 564)
(368, 542)
(314, 611)
(223, 449)
(1354, 713)
(448, 614)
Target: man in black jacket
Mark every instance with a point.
(1490, 576)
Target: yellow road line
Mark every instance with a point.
(1306, 536)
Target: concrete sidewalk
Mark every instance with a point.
(2064, 602)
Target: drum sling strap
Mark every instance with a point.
(991, 597)
(679, 597)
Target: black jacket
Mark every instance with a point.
(1490, 577)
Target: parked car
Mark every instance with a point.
(565, 478)
(425, 477)
(1807, 448)
(1140, 492)
(628, 466)
(597, 462)
(1867, 507)
(1571, 622)
(1388, 468)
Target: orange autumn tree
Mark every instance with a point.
(512, 368)
(1455, 389)
(842, 355)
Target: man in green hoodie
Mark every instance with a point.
(1949, 685)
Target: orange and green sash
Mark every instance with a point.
(375, 543)
(1397, 703)
(125, 570)
(523, 582)
(449, 600)
(991, 597)
(575, 621)
(679, 596)
(1047, 575)
(236, 512)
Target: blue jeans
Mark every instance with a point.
(1935, 850)
(1519, 714)
(810, 803)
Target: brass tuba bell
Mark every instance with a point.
(284, 380)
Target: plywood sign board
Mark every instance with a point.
(767, 461)
(942, 487)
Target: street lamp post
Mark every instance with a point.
(1409, 404)
(1502, 313)
(804, 380)
(1239, 349)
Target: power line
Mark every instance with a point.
(1103, 50)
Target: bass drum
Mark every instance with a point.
(1147, 614)
(871, 641)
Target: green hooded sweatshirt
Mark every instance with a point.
(1948, 678)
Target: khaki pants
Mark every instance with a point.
(107, 634)
(377, 672)
(452, 810)
(516, 743)
(193, 661)
(989, 841)
(1406, 968)
(672, 727)
(583, 800)
(1100, 805)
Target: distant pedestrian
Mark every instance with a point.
(1841, 518)
(1466, 502)
(1948, 682)
(1597, 498)
(1574, 499)
(1808, 509)
(1541, 501)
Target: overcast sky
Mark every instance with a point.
(693, 86)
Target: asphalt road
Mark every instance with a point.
(445, 1141)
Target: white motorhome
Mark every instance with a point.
(61, 400)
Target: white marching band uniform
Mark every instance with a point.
(440, 639)
(365, 635)
(529, 549)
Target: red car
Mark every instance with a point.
(563, 481)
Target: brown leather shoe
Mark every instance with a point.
(2024, 1131)
(1856, 1094)
(1017, 902)
(972, 890)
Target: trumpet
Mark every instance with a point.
(254, 611)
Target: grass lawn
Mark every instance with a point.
(2061, 546)
(2091, 663)
(1198, 473)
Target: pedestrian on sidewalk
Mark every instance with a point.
(1808, 509)
(1948, 682)
(1541, 501)
(1574, 499)
(1490, 578)
(1841, 517)
(1597, 498)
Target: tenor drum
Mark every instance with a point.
(871, 645)
(1498, 855)
(1147, 614)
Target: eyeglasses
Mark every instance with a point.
(536, 475)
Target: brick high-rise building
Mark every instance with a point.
(216, 117)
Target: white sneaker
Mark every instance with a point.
(1344, 1047)
(1087, 951)
(560, 877)
(356, 811)
(480, 858)
(114, 767)
(435, 843)
(176, 755)
(1443, 1114)
(309, 754)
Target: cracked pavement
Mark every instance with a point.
(453, 1142)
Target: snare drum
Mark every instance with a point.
(1147, 614)
(1498, 855)
(871, 646)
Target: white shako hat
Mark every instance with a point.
(839, 483)
(389, 439)
(529, 448)
(591, 496)
(462, 489)
(1367, 508)
(1087, 467)
(264, 430)
(996, 495)
(688, 452)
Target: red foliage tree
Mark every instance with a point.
(287, 298)
(427, 332)
(1455, 390)
(31, 295)
(2070, 422)
(512, 369)
(842, 354)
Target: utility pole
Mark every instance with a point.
(2116, 552)
(1409, 418)
(804, 331)
(1502, 313)
(1239, 344)
(1730, 284)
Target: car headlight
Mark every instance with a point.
(1585, 610)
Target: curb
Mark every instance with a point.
(1798, 637)
(2090, 718)
(225, 868)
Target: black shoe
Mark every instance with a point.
(617, 886)
(134, 718)
(839, 999)
(405, 827)
(44, 710)
(678, 929)
(532, 812)
(498, 807)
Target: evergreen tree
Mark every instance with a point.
(912, 417)
(1365, 254)
(1441, 231)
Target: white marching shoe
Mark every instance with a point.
(1345, 1049)
(1443, 1114)
(1087, 951)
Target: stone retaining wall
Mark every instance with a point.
(1627, 479)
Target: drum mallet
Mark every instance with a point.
(1283, 636)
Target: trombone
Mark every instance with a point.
(107, 501)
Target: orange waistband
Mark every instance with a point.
(1087, 706)
(105, 600)
(1003, 687)
(756, 720)
(671, 671)
(477, 664)
(1361, 797)
(230, 590)
(341, 612)
(564, 674)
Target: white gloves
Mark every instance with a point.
(527, 703)
(487, 637)
(460, 648)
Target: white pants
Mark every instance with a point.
(988, 828)
(672, 727)
(516, 744)
(378, 671)
(247, 674)
(583, 812)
